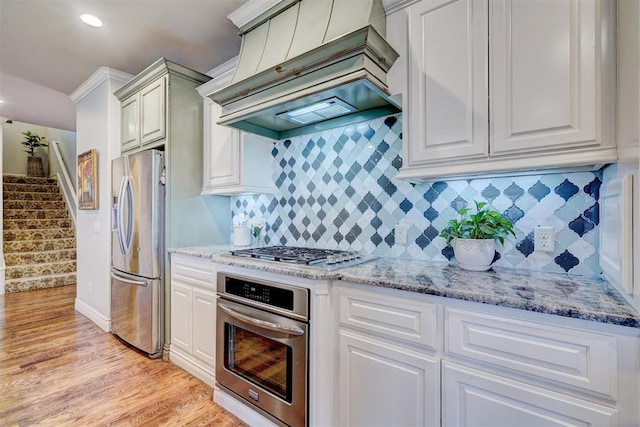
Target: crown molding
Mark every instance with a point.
(220, 77)
(391, 6)
(101, 75)
(223, 68)
(250, 10)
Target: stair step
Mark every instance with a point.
(19, 285)
(51, 233)
(22, 179)
(39, 257)
(35, 224)
(23, 195)
(35, 214)
(31, 188)
(34, 204)
(40, 270)
(39, 245)
(38, 235)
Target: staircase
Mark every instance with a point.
(38, 237)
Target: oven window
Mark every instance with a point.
(263, 361)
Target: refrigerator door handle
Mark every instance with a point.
(125, 236)
(118, 219)
(129, 281)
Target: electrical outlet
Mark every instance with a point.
(544, 239)
(401, 234)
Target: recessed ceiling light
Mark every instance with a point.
(91, 20)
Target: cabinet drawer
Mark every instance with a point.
(572, 357)
(193, 271)
(472, 397)
(397, 318)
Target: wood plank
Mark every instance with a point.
(58, 368)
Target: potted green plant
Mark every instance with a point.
(473, 236)
(34, 163)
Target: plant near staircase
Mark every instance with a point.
(34, 163)
(33, 141)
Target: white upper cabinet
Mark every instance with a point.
(152, 117)
(543, 75)
(447, 100)
(493, 86)
(235, 162)
(130, 130)
(143, 116)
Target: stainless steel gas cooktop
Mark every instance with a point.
(328, 259)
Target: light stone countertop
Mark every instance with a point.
(587, 298)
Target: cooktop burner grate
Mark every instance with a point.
(298, 255)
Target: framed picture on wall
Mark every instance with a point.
(88, 180)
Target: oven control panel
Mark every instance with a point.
(270, 295)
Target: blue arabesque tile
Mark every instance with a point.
(337, 188)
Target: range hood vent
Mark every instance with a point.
(309, 65)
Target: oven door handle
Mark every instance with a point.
(290, 330)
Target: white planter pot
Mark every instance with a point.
(474, 254)
(241, 236)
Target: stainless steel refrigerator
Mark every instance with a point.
(137, 250)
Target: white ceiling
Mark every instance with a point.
(46, 52)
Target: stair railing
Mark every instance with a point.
(66, 184)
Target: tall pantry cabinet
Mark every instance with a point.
(161, 109)
(501, 85)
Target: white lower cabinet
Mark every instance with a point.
(181, 319)
(407, 359)
(475, 398)
(386, 385)
(193, 316)
(203, 305)
(387, 373)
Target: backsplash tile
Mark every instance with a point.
(337, 189)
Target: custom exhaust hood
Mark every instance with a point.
(309, 65)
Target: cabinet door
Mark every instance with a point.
(181, 318)
(474, 398)
(222, 150)
(384, 385)
(152, 118)
(543, 75)
(616, 233)
(447, 93)
(204, 326)
(130, 131)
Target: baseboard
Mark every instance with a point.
(240, 410)
(97, 318)
(196, 369)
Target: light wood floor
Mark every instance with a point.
(59, 369)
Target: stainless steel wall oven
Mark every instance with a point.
(262, 345)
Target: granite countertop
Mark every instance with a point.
(588, 298)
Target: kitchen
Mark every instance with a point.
(369, 212)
